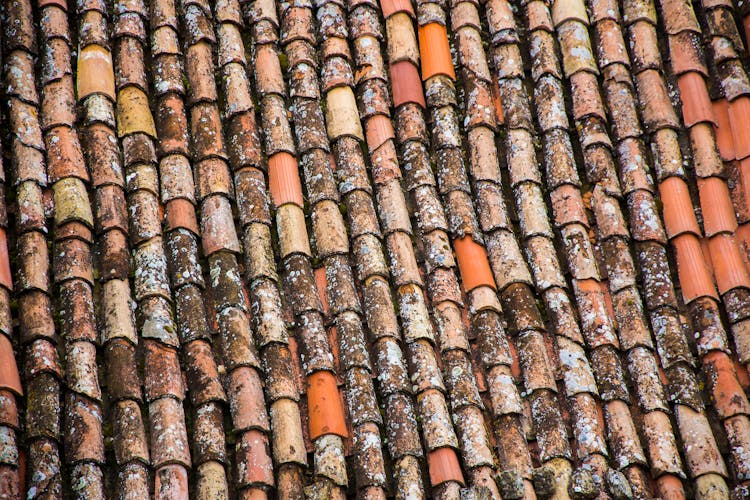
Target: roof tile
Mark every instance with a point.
(216, 234)
(171, 481)
(326, 411)
(472, 260)
(679, 217)
(391, 7)
(718, 213)
(696, 104)
(686, 54)
(95, 73)
(133, 113)
(694, 277)
(9, 378)
(342, 117)
(729, 269)
(284, 179)
(723, 129)
(739, 111)
(435, 51)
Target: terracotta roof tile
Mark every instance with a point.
(391, 7)
(729, 269)
(284, 179)
(739, 110)
(694, 277)
(718, 214)
(326, 412)
(679, 217)
(723, 129)
(696, 104)
(10, 379)
(435, 51)
(686, 53)
(95, 74)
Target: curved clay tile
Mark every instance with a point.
(444, 467)
(679, 217)
(729, 269)
(94, 72)
(435, 51)
(695, 278)
(324, 404)
(283, 179)
(739, 113)
(390, 7)
(9, 378)
(723, 129)
(472, 260)
(718, 213)
(696, 104)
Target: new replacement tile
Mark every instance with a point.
(435, 51)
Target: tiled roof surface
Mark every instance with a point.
(358, 249)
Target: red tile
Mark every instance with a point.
(378, 130)
(729, 269)
(739, 118)
(253, 452)
(685, 53)
(324, 406)
(248, 404)
(693, 273)
(435, 51)
(180, 213)
(406, 84)
(567, 205)
(725, 389)
(670, 488)
(718, 212)
(444, 466)
(217, 226)
(391, 7)
(473, 264)
(678, 207)
(696, 104)
(723, 129)
(9, 378)
(284, 181)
